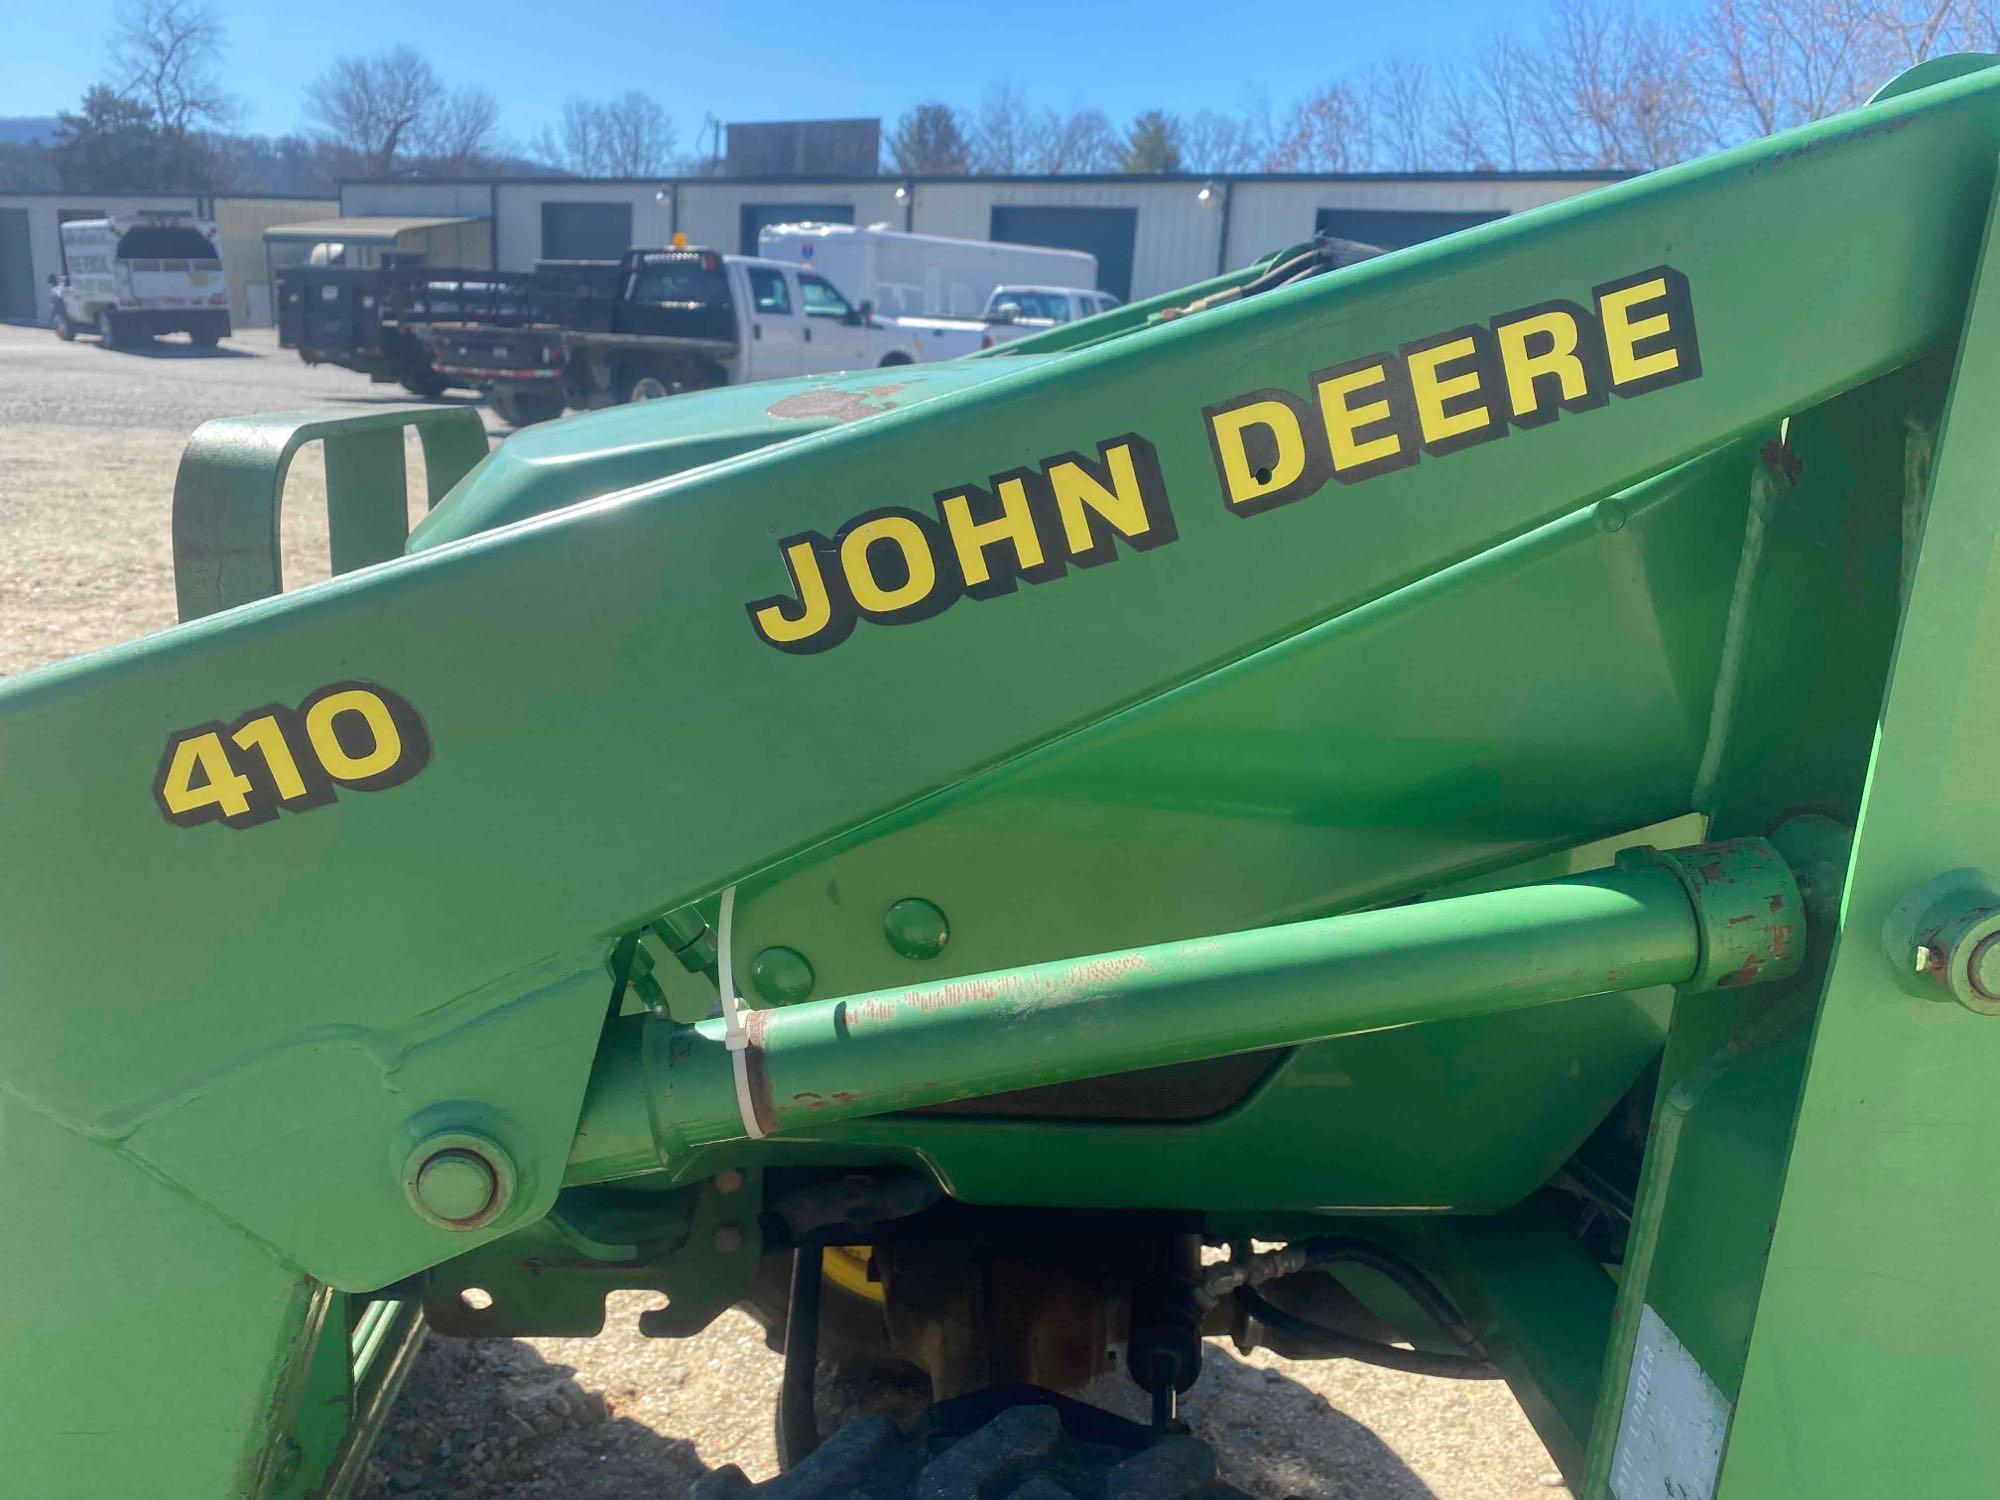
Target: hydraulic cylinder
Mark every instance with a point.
(1715, 916)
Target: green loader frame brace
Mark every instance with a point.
(1251, 686)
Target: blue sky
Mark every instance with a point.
(778, 59)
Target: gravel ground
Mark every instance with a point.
(89, 439)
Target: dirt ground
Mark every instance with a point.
(89, 440)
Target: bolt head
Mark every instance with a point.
(728, 1181)
(782, 976)
(728, 1238)
(916, 928)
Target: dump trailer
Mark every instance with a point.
(374, 319)
(1438, 813)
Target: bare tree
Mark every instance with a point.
(1404, 115)
(168, 53)
(1003, 131)
(459, 129)
(571, 143)
(1214, 142)
(1076, 140)
(1610, 88)
(1772, 64)
(374, 106)
(1905, 32)
(630, 136)
(1482, 109)
(1327, 131)
(639, 137)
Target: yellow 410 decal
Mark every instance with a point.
(354, 735)
(1353, 421)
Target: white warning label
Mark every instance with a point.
(1670, 1435)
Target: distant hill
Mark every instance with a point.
(26, 130)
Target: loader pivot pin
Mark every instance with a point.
(455, 1185)
(458, 1180)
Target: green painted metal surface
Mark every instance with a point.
(1866, 1332)
(1081, 648)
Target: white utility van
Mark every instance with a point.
(132, 276)
(939, 288)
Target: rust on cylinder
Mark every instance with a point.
(756, 1027)
(1073, 981)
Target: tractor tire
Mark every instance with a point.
(65, 330)
(1011, 1443)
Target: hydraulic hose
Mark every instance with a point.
(1245, 1275)
(1328, 1343)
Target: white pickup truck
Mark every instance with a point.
(1016, 311)
(651, 324)
(953, 295)
(131, 276)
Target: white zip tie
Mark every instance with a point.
(734, 1037)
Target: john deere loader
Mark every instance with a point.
(1442, 811)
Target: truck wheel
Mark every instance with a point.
(424, 382)
(205, 338)
(110, 329)
(525, 408)
(646, 386)
(895, 359)
(65, 330)
(1013, 1440)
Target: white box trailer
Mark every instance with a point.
(938, 287)
(131, 276)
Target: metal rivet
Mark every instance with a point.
(728, 1239)
(781, 975)
(916, 929)
(728, 1181)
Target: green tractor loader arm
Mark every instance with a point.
(1197, 778)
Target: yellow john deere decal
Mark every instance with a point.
(356, 735)
(1356, 420)
(894, 566)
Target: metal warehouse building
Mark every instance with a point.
(31, 248)
(1149, 233)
